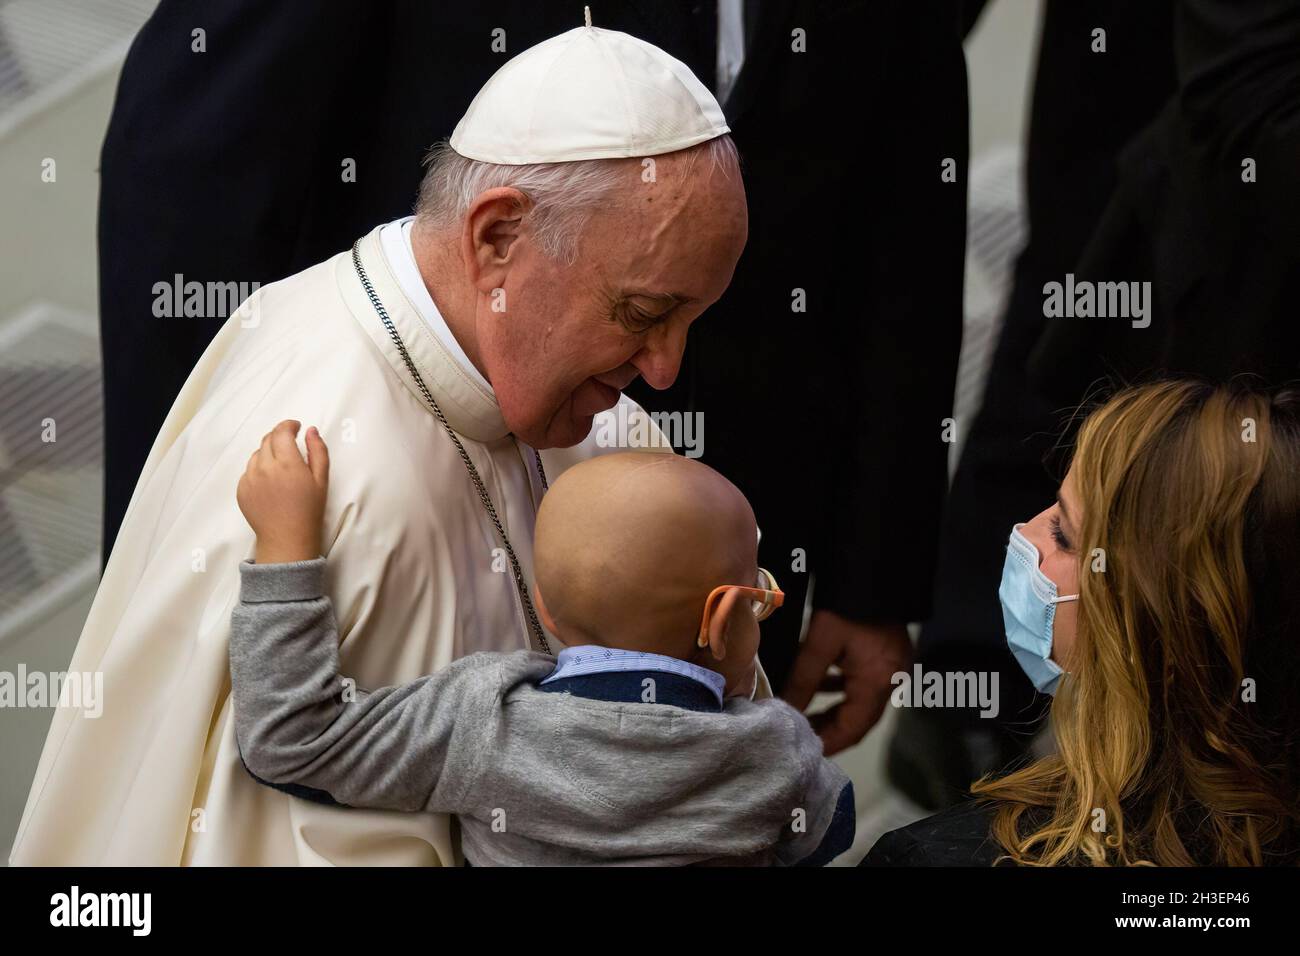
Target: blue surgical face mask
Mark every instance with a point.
(1028, 610)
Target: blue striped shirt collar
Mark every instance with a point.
(592, 659)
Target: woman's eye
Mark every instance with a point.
(1058, 536)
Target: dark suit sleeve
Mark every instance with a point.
(898, 319)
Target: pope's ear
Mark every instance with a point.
(492, 224)
(724, 614)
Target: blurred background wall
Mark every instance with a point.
(59, 61)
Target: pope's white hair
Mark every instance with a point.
(563, 194)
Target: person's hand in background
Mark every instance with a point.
(868, 655)
(283, 497)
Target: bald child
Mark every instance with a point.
(639, 744)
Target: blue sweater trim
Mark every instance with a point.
(839, 835)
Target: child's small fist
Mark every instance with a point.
(283, 497)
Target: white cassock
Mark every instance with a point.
(157, 779)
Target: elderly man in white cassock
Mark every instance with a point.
(588, 209)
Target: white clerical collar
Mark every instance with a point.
(396, 240)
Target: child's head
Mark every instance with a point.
(628, 548)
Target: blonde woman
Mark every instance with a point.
(1158, 599)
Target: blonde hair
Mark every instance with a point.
(1190, 494)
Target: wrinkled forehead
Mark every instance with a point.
(681, 237)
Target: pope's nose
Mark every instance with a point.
(660, 363)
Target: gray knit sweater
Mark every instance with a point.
(536, 775)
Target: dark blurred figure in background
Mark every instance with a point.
(1085, 107)
(1207, 206)
(842, 325)
(843, 150)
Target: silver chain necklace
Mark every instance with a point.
(529, 610)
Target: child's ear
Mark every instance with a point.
(731, 602)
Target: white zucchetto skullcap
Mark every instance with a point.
(587, 94)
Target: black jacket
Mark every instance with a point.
(958, 836)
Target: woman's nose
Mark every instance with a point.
(1036, 533)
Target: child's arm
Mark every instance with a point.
(298, 723)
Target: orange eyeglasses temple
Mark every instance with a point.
(767, 600)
